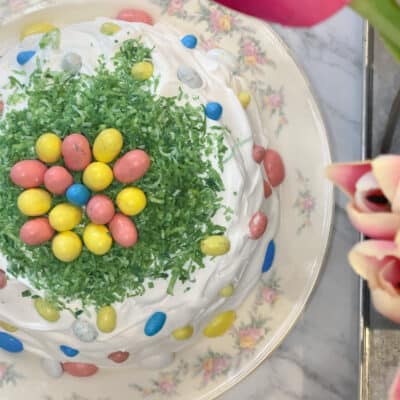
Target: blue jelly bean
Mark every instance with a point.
(69, 351)
(155, 323)
(269, 257)
(189, 41)
(10, 343)
(25, 56)
(78, 194)
(214, 110)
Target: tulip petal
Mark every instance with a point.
(386, 304)
(394, 393)
(389, 277)
(386, 170)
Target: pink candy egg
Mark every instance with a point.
(3, 279)
(274, 167)
(119, 356)
(1, 106)
(133, 15)
(28, 173)
(258, 225)
(57, 180)
(76, 152)
(258, 153)
(100, 209)
(132, 166)
(123, 230)
(36, 231)
(80, 370)
(267, 190)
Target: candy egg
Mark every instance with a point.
(24, 57)
(227, 291)
(269, 257)
(65, 217)
(106, 319)
(224, 57)
(142, 71)
(132, 166)
(3, 279)
(213, 110)
(220, 324)
(78, 194)
(184, 333)
(28, 174)
(108, 145)
(1, 107)
(189, 77)
(48, 148)
(119, 356)
(84, 331)
(66, 246)
(215, 245)
(131, 201)
(10, 343)
(57, 180)
(79, 370)
(100, 209)
(8, 327)
(53, 368)
(46, 310)
(36, 231)
(189, 41)
(69, 351)
(267, 190)
(258, 225)
(109, 28)
(133, 15)
(258, 153)
(274, 167)
(35, 29)
(97, 176)
(71, 62)
(123, 230)
(244, 99)
(97, 239)
(34, 202)
(76, 152)
(155, 323)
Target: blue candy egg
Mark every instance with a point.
(25, 56)
(10, 343)
(69, 351)
(269, 257)
(155, 323)
(85, 331)
(78, 194)
(189, 41)
(214, 110)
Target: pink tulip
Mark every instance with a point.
(394, 393)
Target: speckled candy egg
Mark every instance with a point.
(85, 331)
(28, 173)
(52, 368)
(72, 62)
(100, 209)
(189, 77)
(36, 231)
(224, 57)
(57, 180)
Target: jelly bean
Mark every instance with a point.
(184, 333)
(119, 356)
(46, 310)
(106, 319)
(78, 194)
(65, 217)
(274, 167)
(100, 209)
(36, 231)
(227, 291)
(189, 77)
(53, 368)
(48, 148)
(133, 15)
(57, 180)
(258, 224)
(69, 351)
(189, 41)
(10, 343)
(132, 166)
(97, 239)
(35, 29)
(224, 57)
(142, 71)
(76, 152)
(244, 99)
(28, 174)
(66, 246)
(155, 323)
(109, 28)
(97, 176)
(72, 62)
(269, 257)
(123, 230)
(131, 201)
(3, 279)
(34, 202)
(215, 245)
(8, 327)
(84, 331)
(267, 190)
(80, 370)
(220, 324)
(108, 145)
(24, 57)
(214, 111)
(258, 153)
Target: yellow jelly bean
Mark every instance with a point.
(107, 145)
(66, 246)
(227, 291)
(131, 201)
(8, 327)
(244, 99)
(97, 239)
(65, 217)
(106, 319)
(34, 202)
(183, 333)
(34, 29)
(109, 28)
(220, 324)
(215, 245)
(97, 176)
(48, 148)
(142, 71)
(46, 310)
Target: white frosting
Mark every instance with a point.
(240, 267)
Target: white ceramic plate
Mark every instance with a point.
(295, 128)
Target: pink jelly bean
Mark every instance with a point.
(133, 15)
(258, 225)
(80, 370)
(3, 279)
(267, 190)
(274, 167)
(258, 153)
(119, 356)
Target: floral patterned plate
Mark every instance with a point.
(295, 128)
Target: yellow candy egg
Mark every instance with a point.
(65, 217)
(107, 145)
(97, 239)
(34, 29)
(227, 291)
(220, 324)
(131, 201)
(46, 310)
(106, 319)
(244, 99)
(8, 327)
(183, 333)
(97, 176)
(48, 148)
(67, 246)
(142, 71)
(109, 28)
(34, 202)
